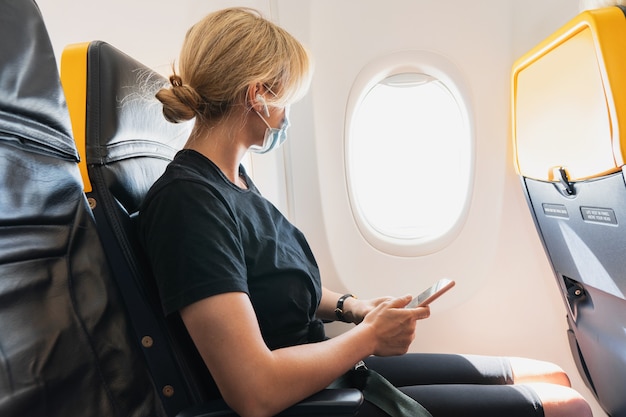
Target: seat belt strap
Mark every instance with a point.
(380, 392)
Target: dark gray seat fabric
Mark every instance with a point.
(65, 345)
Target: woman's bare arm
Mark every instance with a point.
(354, 309)
(257, 382)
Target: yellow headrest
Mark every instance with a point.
(74, 80)
(569, 100)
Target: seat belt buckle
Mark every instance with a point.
(360, 366)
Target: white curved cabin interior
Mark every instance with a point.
(506, 301)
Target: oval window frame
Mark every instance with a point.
(436, 66)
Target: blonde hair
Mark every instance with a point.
(598, 4)
(225, 53)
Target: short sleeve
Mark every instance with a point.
(192, 240)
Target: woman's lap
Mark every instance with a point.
(434, 368)
(457, 385)
(451, 400)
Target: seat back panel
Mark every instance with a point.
(569, 115)
(583, 246)
(569, 100)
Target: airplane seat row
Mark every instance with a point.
(82, 332)
(569, 133)
(125, 145)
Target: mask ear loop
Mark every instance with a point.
(261, 100)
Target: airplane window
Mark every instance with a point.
(409, 159)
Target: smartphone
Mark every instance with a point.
(432, 293)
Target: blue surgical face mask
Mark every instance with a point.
(274, 137)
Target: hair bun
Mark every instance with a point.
(181, 102)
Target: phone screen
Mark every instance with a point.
(432, 293)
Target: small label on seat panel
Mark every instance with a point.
(555, 210)
(598, 215)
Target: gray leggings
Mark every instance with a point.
(456, 385)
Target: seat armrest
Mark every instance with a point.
(327, 403)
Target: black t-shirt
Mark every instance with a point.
(205, 236)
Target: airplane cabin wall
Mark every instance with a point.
(506, 301)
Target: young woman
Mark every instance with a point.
(244, 280)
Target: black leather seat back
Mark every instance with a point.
(64, 339)
(128, 144)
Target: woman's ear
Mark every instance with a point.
(253, 91)
(256, 100)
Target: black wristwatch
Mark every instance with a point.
(339, 309)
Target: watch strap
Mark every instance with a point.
(339, 310)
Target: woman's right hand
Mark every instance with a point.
(393, 326)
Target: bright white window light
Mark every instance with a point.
(409, 159)
(247, 164)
